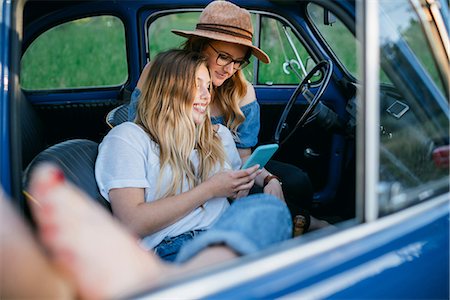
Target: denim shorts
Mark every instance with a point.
(170, 246)
(250, 224)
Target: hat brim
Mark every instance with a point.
(258, 53)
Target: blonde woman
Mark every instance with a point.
(168, 174)
(224, 35)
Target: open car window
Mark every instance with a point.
(68, 52)
(339, 39)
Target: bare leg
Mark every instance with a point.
(318, 224)
(300, 224)
(103, 259)
(25, 270)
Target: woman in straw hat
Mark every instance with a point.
(224, 35)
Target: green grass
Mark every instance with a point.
(160, 36)
(86, 52)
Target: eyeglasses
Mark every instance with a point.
(224, 60)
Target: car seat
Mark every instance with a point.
(117, 116)
(76, 158)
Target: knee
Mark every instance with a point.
(262, 215)
(264, 206)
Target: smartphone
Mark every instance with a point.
(261, 156)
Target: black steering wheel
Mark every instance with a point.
(313, 99)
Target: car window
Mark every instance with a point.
(413, 34)
(340, 40)
(289, 59)
(273, 40)
(62, 57)
(413, 118)
(338, 37)
(162, 26)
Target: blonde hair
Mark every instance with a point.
(165, 113)
(228, 95)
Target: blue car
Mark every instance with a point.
(356, 95)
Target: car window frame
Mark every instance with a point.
(36, 31)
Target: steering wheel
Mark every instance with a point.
(313, 99)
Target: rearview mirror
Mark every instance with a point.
(328, 17)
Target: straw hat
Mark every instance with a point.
(227, 22)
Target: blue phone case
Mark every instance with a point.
(261, 156)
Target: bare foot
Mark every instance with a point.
(25, 271)
(318, 224)
(102, 259)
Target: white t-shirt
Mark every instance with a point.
(129, 158)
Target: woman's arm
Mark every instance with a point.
(144, 218)
(143, 76)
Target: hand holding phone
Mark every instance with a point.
(261, 156)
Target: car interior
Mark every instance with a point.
(369, 125)
(307, 95)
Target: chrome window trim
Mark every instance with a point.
(368, 135)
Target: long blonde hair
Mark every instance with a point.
(165, 113)
(228, 95)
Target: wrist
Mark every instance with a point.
(206, 190)
(270, 177)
